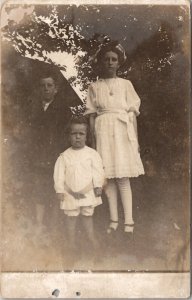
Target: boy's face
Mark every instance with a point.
(48, 89)
(78, 135)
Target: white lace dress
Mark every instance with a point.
(114, 101)
(78, 171)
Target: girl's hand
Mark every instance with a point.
(98, 191)
(131, 115)
(92, 130)
(93, 140)
(93, 144)
(132, 109)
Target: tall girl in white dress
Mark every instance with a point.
(113, 105)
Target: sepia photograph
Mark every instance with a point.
(95, 147)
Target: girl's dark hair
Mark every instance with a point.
(114, 47)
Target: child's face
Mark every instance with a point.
(78, 135)
(111, 63)
(48, 89)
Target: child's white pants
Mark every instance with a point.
(123, 184)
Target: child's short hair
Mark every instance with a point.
(79, 120)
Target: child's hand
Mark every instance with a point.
(60, 196)
(98, 191)
(78, 196)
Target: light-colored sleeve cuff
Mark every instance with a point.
(89, 112)
(98, 185)
(99, 182)
(59, 190)
(135, 110)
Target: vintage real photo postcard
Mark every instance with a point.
(95, 149)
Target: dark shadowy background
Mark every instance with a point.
(156, 40)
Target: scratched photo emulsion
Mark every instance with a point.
(95, 138)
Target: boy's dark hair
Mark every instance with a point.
(79, 120)
(49, 74)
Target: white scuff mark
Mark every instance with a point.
(171, 56)
(180, 18)
(34, 270)
(176, 226)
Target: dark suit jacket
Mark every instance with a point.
(49, 133)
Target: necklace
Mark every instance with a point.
(110, 85)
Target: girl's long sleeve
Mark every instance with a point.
(90, 101)
(134, 99)
(59, 175)
(98, 171)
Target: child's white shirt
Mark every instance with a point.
(78, 171)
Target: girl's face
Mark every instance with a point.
(110, 64)
(78, 135)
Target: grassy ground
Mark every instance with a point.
(161, 235)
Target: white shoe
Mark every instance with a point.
(129, 228)
(112, 227)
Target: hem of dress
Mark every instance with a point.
(123, 176)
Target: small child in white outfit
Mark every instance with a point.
(78, 181)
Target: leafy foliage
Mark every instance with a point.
(155, 65)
